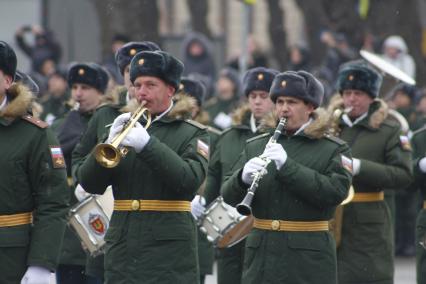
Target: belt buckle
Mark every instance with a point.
(135, 205)
(275, 225)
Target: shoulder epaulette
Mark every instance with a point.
(258, 137)
(38, 122)
(196, 124)
(214, 130)
(335, 139)
(421, 129)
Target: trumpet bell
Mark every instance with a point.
(107, 155)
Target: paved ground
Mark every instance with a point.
(405, 272)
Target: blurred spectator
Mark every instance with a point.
(298, 59)
(421, 109)
(395, 51)
(326, 78)
(54, 102)
(402, 100)
(109, 62)
(198, 57)
(226, 99)
(256, 57)
(45, 53)
(338, 51)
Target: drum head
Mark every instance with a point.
(237, 233)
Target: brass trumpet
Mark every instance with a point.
(109, 155)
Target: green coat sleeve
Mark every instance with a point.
(396, 171)
(214, 175)
(233, 188)
(88, 141)
(419, 151)
(51, 196)
(325, 189)
(185, 172)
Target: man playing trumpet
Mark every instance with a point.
(381, 160)
(309, 175)
(152, 235)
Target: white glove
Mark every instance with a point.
(250, 168)
(223, 120)
(136, 138)
(36, 275)
(356, 166)
(198, 206)
(80, 193)
(276, 153)
(422, 164)
(117, 125)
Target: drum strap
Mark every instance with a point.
(152, 205)
(290, 226)
(368, 196)
(16, 219)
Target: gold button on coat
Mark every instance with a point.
(135, 205)
(275, 225)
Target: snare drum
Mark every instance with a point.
(90, 220)
(223, 225)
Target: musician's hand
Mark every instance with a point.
(117, 125)
(356, 166)
(36, 275)
(137, 138)
(198, 206)
(422, 164)
(276, 153)
(250, 168)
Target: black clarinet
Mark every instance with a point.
(244, 208)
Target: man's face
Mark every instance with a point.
(155, 92)
(5, 83)
(259, 103)
(127, 83)
(88, 97)
(297, 111)
(358, 101)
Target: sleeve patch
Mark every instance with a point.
(405, 143)
(203, 149)
(58, 160)
(347, 163)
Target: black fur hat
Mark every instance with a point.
(90, 74)
(158, 64)
(357, 75)
(300, 84)
(258, 79)
(193, 88)
(8, 60)
(125, 54)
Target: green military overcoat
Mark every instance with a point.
(33, 179)
(228, 148)
(366, 252)
(151, 246)
(308, 187)
(418, 142)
